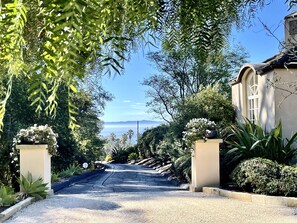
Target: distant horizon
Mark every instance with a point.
(123, 126)
(132, 121)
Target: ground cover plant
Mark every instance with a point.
(7, 196)
(70, 171)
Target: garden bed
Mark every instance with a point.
(4, 208)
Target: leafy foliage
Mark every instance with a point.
(132, 156)
(266, 177)
(160, 143)
(83, 145)
(119, 155)
(57, 42)
(55, 177)
(70, 171)
(257, 175)
(288, 179)
(31, 188)
(182, 74)
(150, 139)
(186, 23)
(209, 103)
(181, 158)
(118, 149)
(249, 140)
(7, 196)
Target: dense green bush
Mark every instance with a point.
(288, 180)
(182, 164)
(7, 196)
(264, 176)
(132, 156)
(256, 175)
(209, 103)
(149, 141)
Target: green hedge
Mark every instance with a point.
(264, 176)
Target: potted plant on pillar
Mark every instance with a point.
(37, 144)
(199, 128)
(38, 135)
(205, 153)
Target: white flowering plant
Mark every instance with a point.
(42, 134)
(197, 128)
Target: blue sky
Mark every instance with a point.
(129, 95)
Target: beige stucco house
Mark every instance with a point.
(264, 92)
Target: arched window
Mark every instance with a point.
(252, 97)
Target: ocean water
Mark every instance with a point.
(119, 128)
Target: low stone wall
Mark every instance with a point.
(255, 198)
(15, 208)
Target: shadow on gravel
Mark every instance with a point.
(87, 203)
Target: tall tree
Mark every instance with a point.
(130, 134)
(182, 73)
(53, 42)
(203, 24)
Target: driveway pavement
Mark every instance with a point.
(127, 193)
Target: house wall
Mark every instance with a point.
(266, 99)
(237, 100)
(267, 112)
(286, 107)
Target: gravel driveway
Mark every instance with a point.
(136, 194)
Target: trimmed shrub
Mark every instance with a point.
(288, 181)
(264, 176)
(256, 175)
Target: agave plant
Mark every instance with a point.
(119, 154)
(70, 171)
(249, 140)
(31, 188)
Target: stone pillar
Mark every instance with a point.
(205, 164)
(36, 160)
